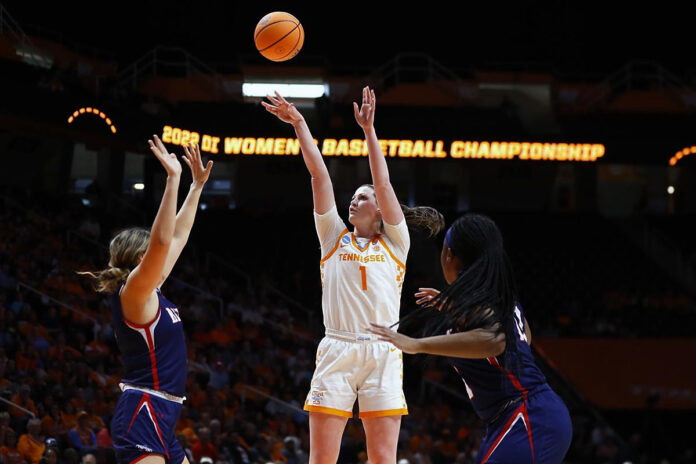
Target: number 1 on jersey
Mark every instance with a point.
(363, 273)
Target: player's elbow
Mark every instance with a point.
(494, 345)
(321, 179)
(162, 240)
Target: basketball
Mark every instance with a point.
(279, 36)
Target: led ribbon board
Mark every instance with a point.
(394, 148)
(94, 111)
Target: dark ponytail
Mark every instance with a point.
(484, 293)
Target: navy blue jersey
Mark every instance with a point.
(490, 386)
(154, 354)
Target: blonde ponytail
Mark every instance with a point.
(108, 280)
(125, 251)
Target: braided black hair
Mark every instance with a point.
(484, 294)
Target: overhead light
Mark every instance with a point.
(670, 190)
(138, 186)
(261, 89)
(203, 206)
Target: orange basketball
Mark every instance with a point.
(279, 36)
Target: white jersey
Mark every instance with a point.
(361, 279)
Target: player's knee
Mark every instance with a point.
(322, 457)
(382, 455)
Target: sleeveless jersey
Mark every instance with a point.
(154, 354)
(361, 282)
(490, 386)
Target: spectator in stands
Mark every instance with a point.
(261, 450)
(204, 447)
(52, 424)
(31, 444)
(104, 438)
(9, 452)
(292, 451)
(22, 399)
(236, 449)
(81, 436)
(218, 376)
(68, 416)
(4, 426)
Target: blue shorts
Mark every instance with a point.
(144, 424)
(535, 431)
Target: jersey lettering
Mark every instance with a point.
(520, 325)
(174, 314)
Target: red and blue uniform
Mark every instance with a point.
(526, 421)
(153, 384)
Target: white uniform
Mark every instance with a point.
(362, 281)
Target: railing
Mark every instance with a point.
(205, 293)
(211, 257)
(30, 53)
(58, 302)
(14, 405)
(166, 58)
(10, 26)
(256, 391)
(639, 74)
(403, 65)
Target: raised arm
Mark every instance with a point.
(142, 282)
(386, 198)
(187, 212)
(322, 189)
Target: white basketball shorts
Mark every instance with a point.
(351, 365)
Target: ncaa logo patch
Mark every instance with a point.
(316, 397)
(345, 240)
